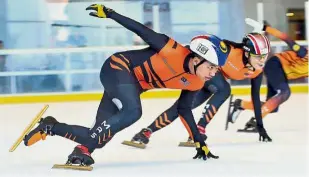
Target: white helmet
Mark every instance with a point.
(211, 48)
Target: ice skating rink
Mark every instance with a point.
(240, 154)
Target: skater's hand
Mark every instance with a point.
(263, 135)
(203, 152)
(257, 26)
(100, 11)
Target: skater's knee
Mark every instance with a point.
(132, 108)
(226, 91)
(223, 89)
(136, 112)
(284, 92)
(287, 94)
(133, 114)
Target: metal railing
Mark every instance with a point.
(67, 72)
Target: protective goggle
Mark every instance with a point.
(259, 56)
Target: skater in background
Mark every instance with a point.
(279, 69)
(125, 75)
(245, 60)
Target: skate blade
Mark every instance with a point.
(36, 119)
(246, 131)
(228, 113)
(186, 144)
(72, 167)
(133, 144)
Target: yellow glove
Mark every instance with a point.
(203, 152)
(100, 11)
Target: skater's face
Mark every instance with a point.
(257, 61)
(206, 70)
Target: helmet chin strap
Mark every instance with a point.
(196, 66)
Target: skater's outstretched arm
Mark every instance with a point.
(300, 50)
(186, 116)
(155, 40)
(259, 27)
(255, 96)
(185, 113)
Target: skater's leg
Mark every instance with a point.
(81, 134)
(244, 104)
(123, 91)
(278, 82)
(119, 85)
(278, 88)
(203, 95)
(107, 108)
(166, 118)
(142, 137)
(270, 93)
(270, 90)
(171, 114)
(240, 105)
(222, 90)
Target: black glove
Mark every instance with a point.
(263, 134)
(100, 11)
(203, 152)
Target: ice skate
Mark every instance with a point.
(41, 131)
(35, 120)
(140, 139)
(236, 110)
(190, 142)
(79, 159)
(250, 127)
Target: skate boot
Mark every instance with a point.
(41, 131)
(143, 136)
(140, 139)
(237, 109)
(80, 156)
(250, 127)
(190, 142)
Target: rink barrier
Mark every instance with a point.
(95, 96)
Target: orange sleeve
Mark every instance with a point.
(301, 51)
(276, 33)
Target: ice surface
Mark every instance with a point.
(240, 154)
